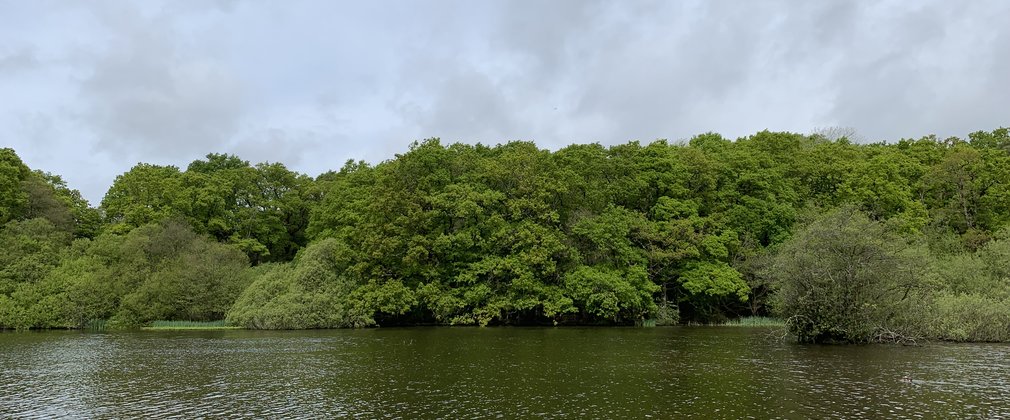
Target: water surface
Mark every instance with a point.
(718, 372)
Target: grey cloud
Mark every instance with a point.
(277, 145)
(649, 84)
(918, 72)
(312, 138)
(20, 60)
(468, 106)
(39, 128)
(149, 93)
(593, 71)
(312, 84)
(546, 33)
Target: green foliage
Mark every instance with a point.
(714, 279)
(155, 272)
(13, 198)
(187, 276)
(893, 236)
(144, 194)
(843, 277)
(311, 292)
(31, 249)
(969, 317)
(970, 295)
(82, 285)
(998, 139)
(262, 209)
(612, 294)
(667, 314)
(27, 194)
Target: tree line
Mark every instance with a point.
(847, 242)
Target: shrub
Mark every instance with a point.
(311, 292)
(970, 317)
(843, 278)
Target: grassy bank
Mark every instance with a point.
(190, 325)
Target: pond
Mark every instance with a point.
(441, 372)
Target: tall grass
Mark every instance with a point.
(755, 321)
(96, 324)
(189, 325)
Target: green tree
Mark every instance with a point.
(843, 278)
(31, 250)
(13, 198)
(970, 189)
(145, 194)
(185, 276)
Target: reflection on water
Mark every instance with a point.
(491, 372)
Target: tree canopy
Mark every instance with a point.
(699, 231)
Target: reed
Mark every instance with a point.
(96, 324)
(190, 325)
(755, 321)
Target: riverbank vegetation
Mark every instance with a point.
(755, 321)
(188, 325)
(845, 242)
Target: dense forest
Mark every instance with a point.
(847, 242)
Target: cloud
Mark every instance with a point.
(92, 88)
(912, 71)
(467, 106)
(152, 92)
(610, 72)
(277, 145)
(21, 60)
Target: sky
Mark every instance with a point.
(89, 89)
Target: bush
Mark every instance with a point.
(843, 278)
(310, 292)
(612, 294)
(186, 276)
(964, 317)
(972, 297)
(667, 314)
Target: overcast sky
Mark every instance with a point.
(88, 89)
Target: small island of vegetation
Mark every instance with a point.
(844, 242)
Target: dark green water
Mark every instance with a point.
(491, 372)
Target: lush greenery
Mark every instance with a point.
(845, 242)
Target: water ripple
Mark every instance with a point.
(490, 373)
